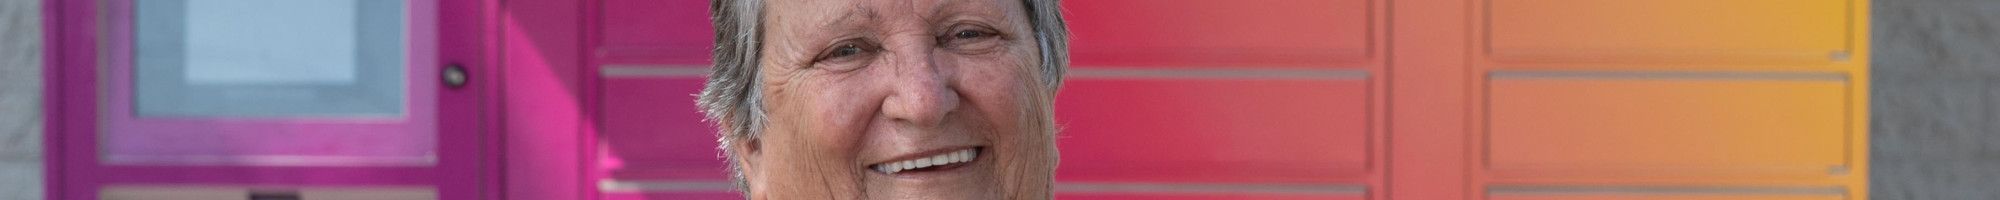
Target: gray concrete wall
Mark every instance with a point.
(20, 99)
(1936, 99)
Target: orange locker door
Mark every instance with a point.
(1669, 99)
(1693, 34)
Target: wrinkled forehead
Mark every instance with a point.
(831, 14)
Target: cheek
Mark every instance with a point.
(999, 82)
(818, 122)
(825, 115)
(1000, 88)
(992, 85)
(805, 152)
(1005, 90)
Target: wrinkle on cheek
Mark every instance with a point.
(1004, 69)
(778, 79)
(809, 165)
(820, 138)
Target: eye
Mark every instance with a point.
(844, 52)
(969, 37)
(969, 34)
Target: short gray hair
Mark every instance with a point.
(731, 99)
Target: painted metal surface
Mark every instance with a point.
(1257, 34)
(1338, 99)
(1428, 123)
(77, 134)
(1219, 96)
(546, 88)
(131, 137)
(651, 57)
(1669, 99)
(1214, 131)
(1195, 75)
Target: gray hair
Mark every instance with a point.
(731, 99)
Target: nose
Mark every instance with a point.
(922, 91)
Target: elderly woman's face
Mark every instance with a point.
(902, 99)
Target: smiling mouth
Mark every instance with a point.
(942, 161)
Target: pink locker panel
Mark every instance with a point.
(1219, 34)
(1137, 130)
(652, 130)
(654, 31)
(651, 57)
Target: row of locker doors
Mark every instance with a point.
(1363, 99)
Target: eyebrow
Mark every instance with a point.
(952, 11)
(858, 13)
(865, 13)
(937, 13)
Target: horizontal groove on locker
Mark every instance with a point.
(1700, 127)
(613, 185)
(1827, 190)
(1214, 130)
(200, 192)
(667, 189)
(1703, 31)
(272, 160)
(1215, 73)
(641, 195)
(1514, 192)
(643, 54)
(1187, 34)
(1193, 188)
(1668, 75)
(653, 71)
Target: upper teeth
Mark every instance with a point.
(940, 159)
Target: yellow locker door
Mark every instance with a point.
(1669, 99)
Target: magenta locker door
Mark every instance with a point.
(206, 99)
(651, 57)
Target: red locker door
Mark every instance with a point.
(1265, 99)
